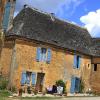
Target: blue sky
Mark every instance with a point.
(85, 13)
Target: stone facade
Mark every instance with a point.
(21, 56)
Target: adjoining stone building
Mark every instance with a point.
(41, 49)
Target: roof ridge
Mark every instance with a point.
(62, 20)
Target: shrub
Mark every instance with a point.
(13, 89)
(61, 83)
(81, 88)
(3, 83)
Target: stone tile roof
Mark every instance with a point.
(33, 24)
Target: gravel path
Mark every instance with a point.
(81, 98)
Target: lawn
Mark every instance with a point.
(4, 95)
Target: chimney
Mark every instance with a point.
(52, 15)
(25, 6)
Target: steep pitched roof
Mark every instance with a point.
(33, 24)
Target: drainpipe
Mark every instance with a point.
(12, 66)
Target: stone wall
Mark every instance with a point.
(6, 56)
(95, 75)
(60, 67)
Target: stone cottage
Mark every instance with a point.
(41, 49)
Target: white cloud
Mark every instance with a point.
(92, 22)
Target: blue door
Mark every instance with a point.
(75, 85)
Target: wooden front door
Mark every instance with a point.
(40, 81)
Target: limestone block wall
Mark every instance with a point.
(95, 75)
(6, 57)
(60, 67)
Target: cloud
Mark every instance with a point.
(92, 22)
(68, 8)
(55, 6)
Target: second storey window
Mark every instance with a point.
(43, 54)
(77, 61)
(95, 67)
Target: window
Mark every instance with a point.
(43, 54)
(28, 78)
(77, 61)
(95, 67)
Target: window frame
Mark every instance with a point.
(95, 67)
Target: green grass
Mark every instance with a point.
(41, 98)
(4, 94)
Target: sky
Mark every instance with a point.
(85, 13)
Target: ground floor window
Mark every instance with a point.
(33, 79)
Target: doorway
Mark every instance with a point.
(40, 81)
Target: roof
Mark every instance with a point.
(33, 24)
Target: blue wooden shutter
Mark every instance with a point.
(79, 62)
(23, 78)
(75, 61)
(33, 78)
(49, 56)
(38, 55)
(6, 15)
(72, 89)
(77, 84)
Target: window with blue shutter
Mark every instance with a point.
(6, 15)
(23, 78)
(72, 89)
(49, 56)
(33, 78)
(43, 54)
(38, 55)
(77, 61)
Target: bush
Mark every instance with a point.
(13, 89)
(61, 83)
(3, 83)
(81, 89)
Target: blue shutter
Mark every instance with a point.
(79, 62)
(38, 55)
(23, 78)
(6, 15)
(75, 61)
(49, 56)
(33, 78)
(72, 89)
(77, 84)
